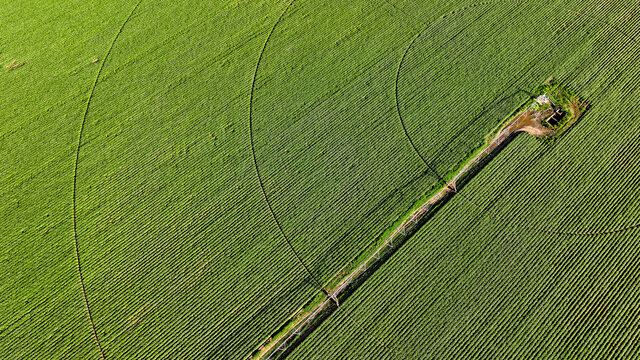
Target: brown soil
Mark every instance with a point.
(577, 108)
(531, 122)
(528, 121)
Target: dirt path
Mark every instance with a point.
(528, 121)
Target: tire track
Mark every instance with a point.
(330, 297)
(75, 182)
(255, 160)
(492, 213)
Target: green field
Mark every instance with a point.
(190, 149)
(472, 285)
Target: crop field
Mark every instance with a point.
(538, 259)
(184, 180)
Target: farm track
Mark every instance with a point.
(510, 221)
(75, 180)
(520, 124)
(324, 305)
(331, 296)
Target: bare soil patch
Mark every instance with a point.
(14, 65)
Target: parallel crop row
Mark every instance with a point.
(472, 285)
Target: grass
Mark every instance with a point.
(568, 102)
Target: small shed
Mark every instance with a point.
(554, 120)
(543, 100)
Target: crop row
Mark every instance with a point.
(167, 197)
(479, 287)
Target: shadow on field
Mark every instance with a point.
(351, 231)
(238, 334)
(493, 106)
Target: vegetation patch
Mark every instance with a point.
(14, 65)
(566, 106)
(552, 110)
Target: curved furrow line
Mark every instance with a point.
(75, 181)
(330, 296)
(255, 160)
(441, 179)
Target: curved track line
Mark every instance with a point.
(404, 128)
(266, 198)
(468, 199)
(359, 325)
(75, 181)
(255, 161)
